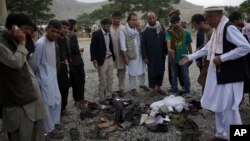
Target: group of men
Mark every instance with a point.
(36, 75)
(125, 46)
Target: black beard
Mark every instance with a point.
(152, 24)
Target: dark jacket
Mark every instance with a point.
(16, 88)
(74, 50)
(154, 49)
(233, 70)
(63, 53)
(98, 47)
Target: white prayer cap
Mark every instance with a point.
(214, 8)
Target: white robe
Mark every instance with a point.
(43, 63)
(136, 66)
(216, 97)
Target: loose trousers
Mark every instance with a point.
(105, 73)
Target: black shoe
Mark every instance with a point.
(144, 88)
(133, 92)
(74, 133)
(59, 127)
(161, 92)
(182, 93)
(197, 104)
(55, 134)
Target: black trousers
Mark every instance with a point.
(155, 81)
(77, 75)
(64, 93)
(179, 75)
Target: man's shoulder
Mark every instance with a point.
(40, 42)
(96, 33)
(122, 26)
(247, 27)
(72, 35)
(187, 32)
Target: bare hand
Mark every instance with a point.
(126, 60)
(171, 52)
(184, 60)
(81, 49)
(146, 61)
(95, 63)
(18, 35)
(217, 60)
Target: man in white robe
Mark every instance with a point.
(43, 63)
(132, 53)
(220, 96)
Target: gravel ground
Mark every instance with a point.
(205, 121)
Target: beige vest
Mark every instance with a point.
(130, 45)
(119, 62)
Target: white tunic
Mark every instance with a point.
(215, 97)
(43, 63)
(136, 66)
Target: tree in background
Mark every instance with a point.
(244, 8)
(37, 9)
(160, 7)
(230, 9)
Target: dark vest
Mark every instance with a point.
(16, 88)
(233, 70)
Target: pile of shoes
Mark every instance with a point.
(106, 125)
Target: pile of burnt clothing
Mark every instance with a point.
(113, 114)
(175, 109)
(125, 110)
(129, 113)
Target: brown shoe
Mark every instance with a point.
(55, 134)
(110, 129)
(216, 139)
(105, 124)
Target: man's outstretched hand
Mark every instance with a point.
(184, 60)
